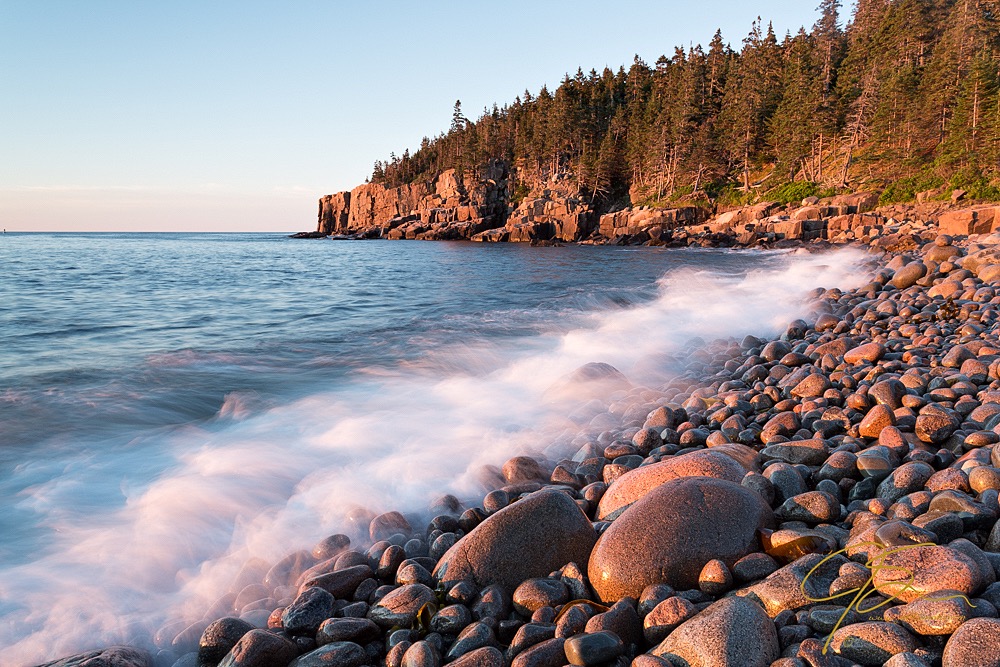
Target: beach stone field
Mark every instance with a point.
(825, 499)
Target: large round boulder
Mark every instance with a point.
(635, 484)
(733, 632)
(975, 644)
(671, 533)
(530, 538)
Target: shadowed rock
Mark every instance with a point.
(731, 633)
(113, 656)
(530, 538)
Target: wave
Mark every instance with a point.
(138, 562)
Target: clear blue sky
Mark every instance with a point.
(238, 115)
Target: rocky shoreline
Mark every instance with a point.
(730, 517)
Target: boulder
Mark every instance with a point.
(636, 483)
(975, 644)
(733, 632)
(530, 538)
(670, 534)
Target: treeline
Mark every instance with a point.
(905, 97)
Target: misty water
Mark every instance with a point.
(175, 405)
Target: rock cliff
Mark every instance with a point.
(481, 208)
(450, 206)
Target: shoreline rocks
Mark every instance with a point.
(726, 517)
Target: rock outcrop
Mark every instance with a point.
(480, 208)
(452, 206)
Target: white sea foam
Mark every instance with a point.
(261, 481)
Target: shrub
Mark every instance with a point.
(787, 193)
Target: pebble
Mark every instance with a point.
(342, 654)
(548, 653)
(219, 638)
(593, 648)
(666, 616)
(488, 656)
(536, 593)
(872, 643)
(260, 647)
(400, 607)
(811, 507)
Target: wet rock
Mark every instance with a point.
(907, 276)
(451, 619)
(385, 525)
(593, 648)
(521, 469)
(336, 654)
(473, 638)
(811, 507)
(669, 536)
(635, 484)
(867, 353)
(528, 635)
(549, 653)
(783, 590)
(872, 643)
(730, 633)
(975, 644)
(421, 654)
(715, 578)
(904, 480)
(400, 607)
(940, 614)
(488, 656)
(113, 656)
(493, 602)
(572, 621)
(923, 570)
(811, 452)
(753, 567)
(530, 538)
(357, 630)
(340, 584)
(536, 593)
(879, 417)
(219, 638)
(620, 619)
(307, 611)
(812, 386)
(665, 617)
(260, 648)
(935, 426)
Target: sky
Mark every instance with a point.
(131, 115)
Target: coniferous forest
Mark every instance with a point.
(902, 96)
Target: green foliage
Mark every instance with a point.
(906, 94)
(731, 195)
(520, 192)
(906, 189)
(788, 193)
(975, 184)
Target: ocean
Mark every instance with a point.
(174, 406)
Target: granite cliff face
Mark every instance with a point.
(450, 207)
(482, 208)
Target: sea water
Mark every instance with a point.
(175, 405)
